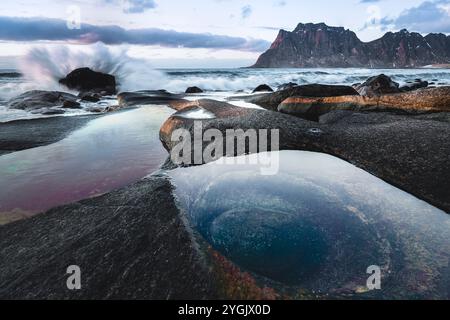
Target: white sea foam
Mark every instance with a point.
(42, 67)
(248, 79)
(45, 66)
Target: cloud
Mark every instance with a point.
(246, 11)
(429, 16)
(270, 28)
(34, 29)
(369, 1)
(133, 6)
(138, 6)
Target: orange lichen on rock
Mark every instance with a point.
(236, 284)
(424, 100)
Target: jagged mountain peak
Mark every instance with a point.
(320, 45)
(302, 27)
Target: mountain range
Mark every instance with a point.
(318, 45)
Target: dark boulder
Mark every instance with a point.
(418, 84)
(102, 109)
(272, 100)
(112, 108)
(69, 104)
(378, 85)
(11, 75)
(194, 90)
(263, 88)
(87, 80)
(287, 85)
(95, 109)
(89, 97)
(148, 97)
(51, 112)
(37, 99)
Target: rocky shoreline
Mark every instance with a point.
(135, 243)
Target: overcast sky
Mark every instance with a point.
(209, 33)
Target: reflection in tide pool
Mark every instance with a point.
(108, 153)
(319, 224)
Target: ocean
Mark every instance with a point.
(217, 83)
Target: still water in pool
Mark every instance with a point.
(318, 223)
(108, 153)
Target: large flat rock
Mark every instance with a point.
(39, 99)
(129, 244)
(25, 134)
(418, 101)
(271, 101)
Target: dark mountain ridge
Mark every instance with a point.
(319, 45)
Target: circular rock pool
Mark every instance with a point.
(318, 223)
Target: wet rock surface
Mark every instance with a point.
(24, 134)
(49, 111)
(287, 85)
(414, 102)
(378, 85)
(71, 105)
(405, 151)
(263, 88)
(418, 84)
(158, 97)
(220, 110)
(89, 97)
(38, 99)
(87, 80)
(129, 244)
(272, 100)
(194, 90)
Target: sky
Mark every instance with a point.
(200, 33)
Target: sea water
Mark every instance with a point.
(220, 83)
